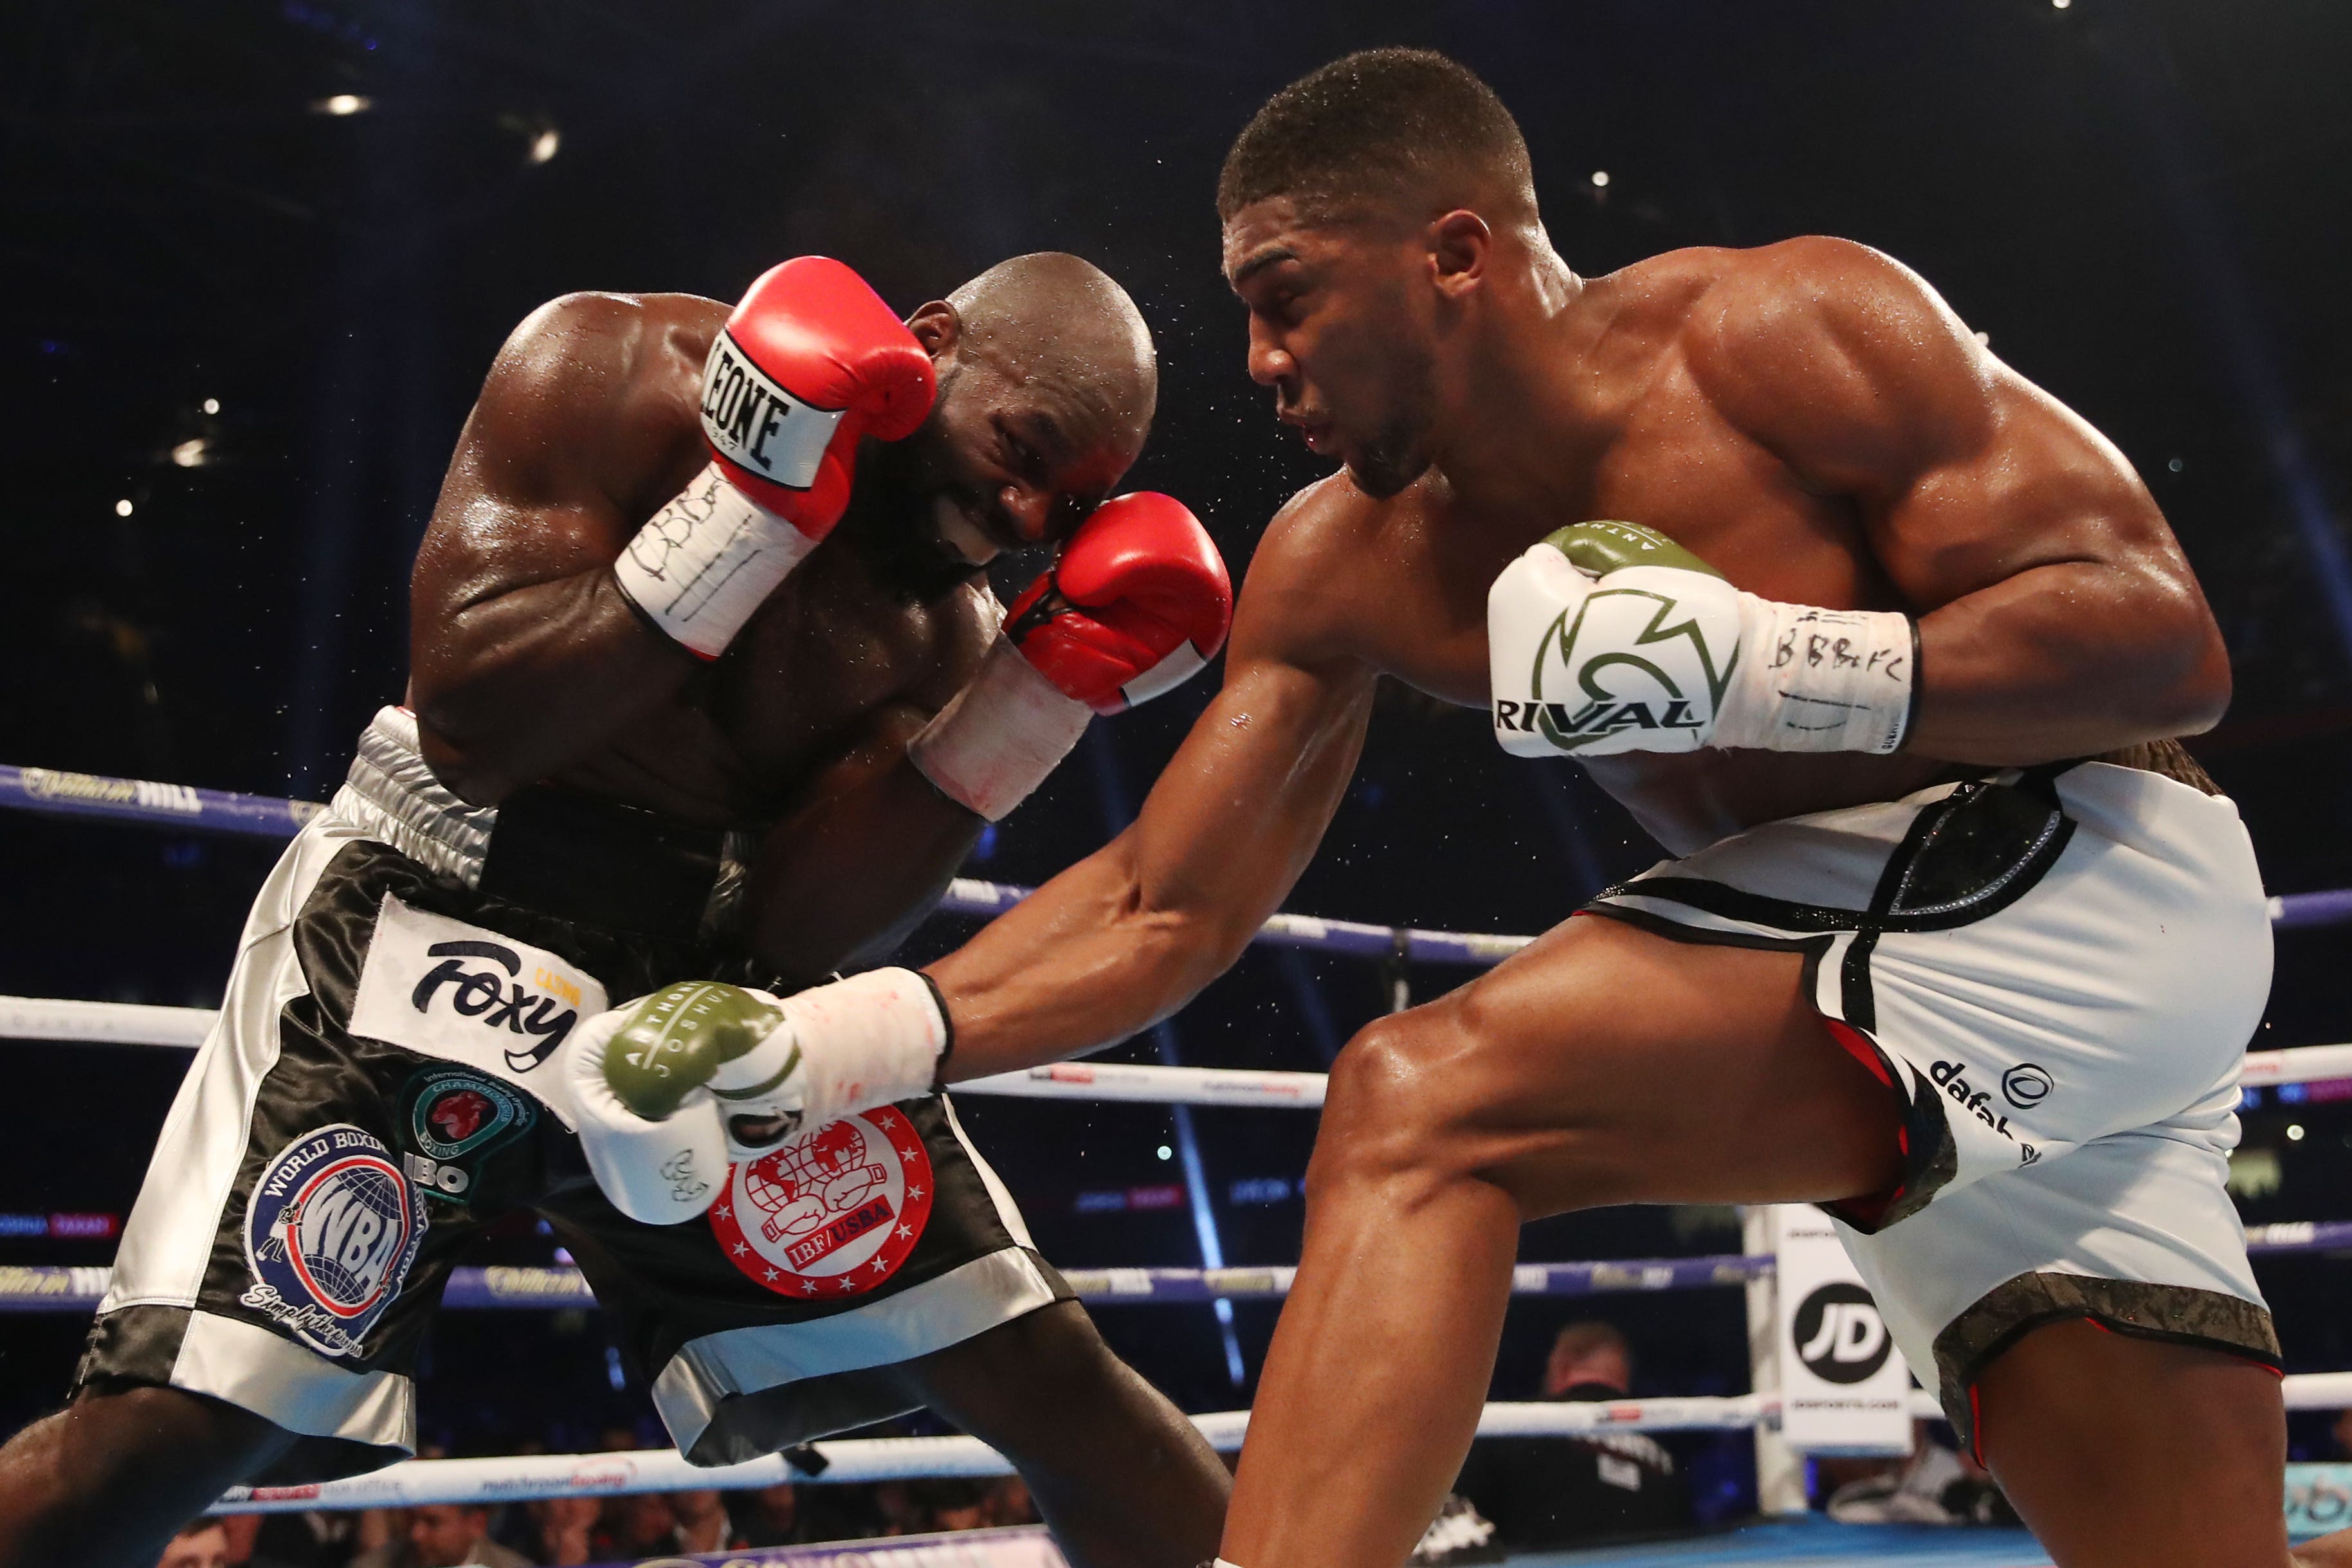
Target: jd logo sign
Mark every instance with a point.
(1839, 1334)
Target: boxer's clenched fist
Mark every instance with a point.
(1139, 602)
(810, 363)
(673, 1087)
(1610, 638)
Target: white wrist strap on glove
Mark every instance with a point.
(1001, 736)
(704, 563)
(873, 1039)
(1818, 680)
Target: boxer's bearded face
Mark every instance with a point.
(1005, 462)
(1337, 332)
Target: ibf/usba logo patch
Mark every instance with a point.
(330, 1234)
(443, 988)
(834, 1213)
(452, 1118)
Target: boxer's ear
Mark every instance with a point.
(939, 327)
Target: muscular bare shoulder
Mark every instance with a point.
(1839, 355)
(591, 389)
(1301, 600)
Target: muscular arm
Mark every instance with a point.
(1127, 936)
(2057, 614)
(858, 858)
(525, 657)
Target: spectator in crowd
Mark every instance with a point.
(772, 1517)
(443, 1535)
(244, 1538)
(642, 1525)
(1009, 1502)
(562, 1530)
(1543, 1493)
(202, 1543)
(703, 1524)
(953, 1504)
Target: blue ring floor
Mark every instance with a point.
(1805, 1542)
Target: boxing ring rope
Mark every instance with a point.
(51, 791)
(856, 1459)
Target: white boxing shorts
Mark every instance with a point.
(2057, 969)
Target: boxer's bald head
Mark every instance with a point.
(1062, 320)
(1048, 383)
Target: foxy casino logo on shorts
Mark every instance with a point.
(330, 1233)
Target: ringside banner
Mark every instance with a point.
(1845, 1389)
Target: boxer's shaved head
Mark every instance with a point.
(1403, 131)
(1061, 318)
(1046, 386)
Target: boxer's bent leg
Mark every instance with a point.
(1603, 1065)
(1122, 1477)
(104, 1482)
(2122, 1452)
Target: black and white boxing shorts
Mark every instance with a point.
(2058, 970)
(378, 1087)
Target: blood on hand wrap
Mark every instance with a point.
(1001, 736)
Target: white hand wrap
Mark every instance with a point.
(1001, 736)
(1818, 680)
(705, 564)
(1664, 659)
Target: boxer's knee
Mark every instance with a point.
(1396, 1105)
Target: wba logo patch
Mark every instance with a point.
(443, 988)
(331, 1231)
(832, 1213)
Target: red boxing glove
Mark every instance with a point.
(810, 362)
(1139, 602)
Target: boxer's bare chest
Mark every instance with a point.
(845, 636)
(1656, 453)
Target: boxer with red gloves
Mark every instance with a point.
(706, 685)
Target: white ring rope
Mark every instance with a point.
(857, 1459)
(132, 1024)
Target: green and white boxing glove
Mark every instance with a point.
(1610, 637)
(671, 1088)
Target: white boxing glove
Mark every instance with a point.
(1610, 638)
(671, 1088)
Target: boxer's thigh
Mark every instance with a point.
(1604, 1064)
(2122, 1452)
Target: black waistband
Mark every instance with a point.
(581, 858)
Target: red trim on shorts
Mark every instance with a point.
(1976, 1429)
(1867, 1211)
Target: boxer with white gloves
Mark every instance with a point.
(705, 686)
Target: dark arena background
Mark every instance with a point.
(257, 257)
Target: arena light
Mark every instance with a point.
(122, 508)
(212, 405)
(190, 454)
(545, 145)
(2060, 4)
(1600, 179)
(341, 104)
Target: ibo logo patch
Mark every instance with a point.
(330, 1234)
